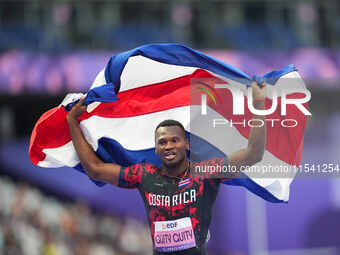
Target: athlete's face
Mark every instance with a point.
(171, 145)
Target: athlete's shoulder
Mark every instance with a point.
(210, 168)
(149, 168)
(217, 161)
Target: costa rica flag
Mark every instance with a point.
(144, 86)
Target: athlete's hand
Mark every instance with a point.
(77, 110)
(259, 93)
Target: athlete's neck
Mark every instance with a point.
(177, 170)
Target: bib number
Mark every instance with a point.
(174, 235)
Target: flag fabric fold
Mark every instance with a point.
(142, 87)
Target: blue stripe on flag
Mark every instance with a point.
(174, 54)
(112, 151)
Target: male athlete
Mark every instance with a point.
(178, 201)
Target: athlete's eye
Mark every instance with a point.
(161, 142)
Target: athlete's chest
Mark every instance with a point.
(162, 191)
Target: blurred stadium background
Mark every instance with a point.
(49, 48)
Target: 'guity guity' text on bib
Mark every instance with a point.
(174, 235)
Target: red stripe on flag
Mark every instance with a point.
(51, 130)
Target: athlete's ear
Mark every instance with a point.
(187, 145)
(156, 147)
(156, 150)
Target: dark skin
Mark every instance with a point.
(170, 144)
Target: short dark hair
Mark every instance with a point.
(168, 123)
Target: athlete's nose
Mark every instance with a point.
(169, 145)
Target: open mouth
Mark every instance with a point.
(170, 155)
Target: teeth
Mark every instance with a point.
(170, 156)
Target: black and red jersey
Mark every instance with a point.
(175, 202)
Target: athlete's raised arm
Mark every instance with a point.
(92, 164)
(253, 153)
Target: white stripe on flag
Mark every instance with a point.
(133, 76)
(137, 133)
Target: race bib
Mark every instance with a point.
(174, 235)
